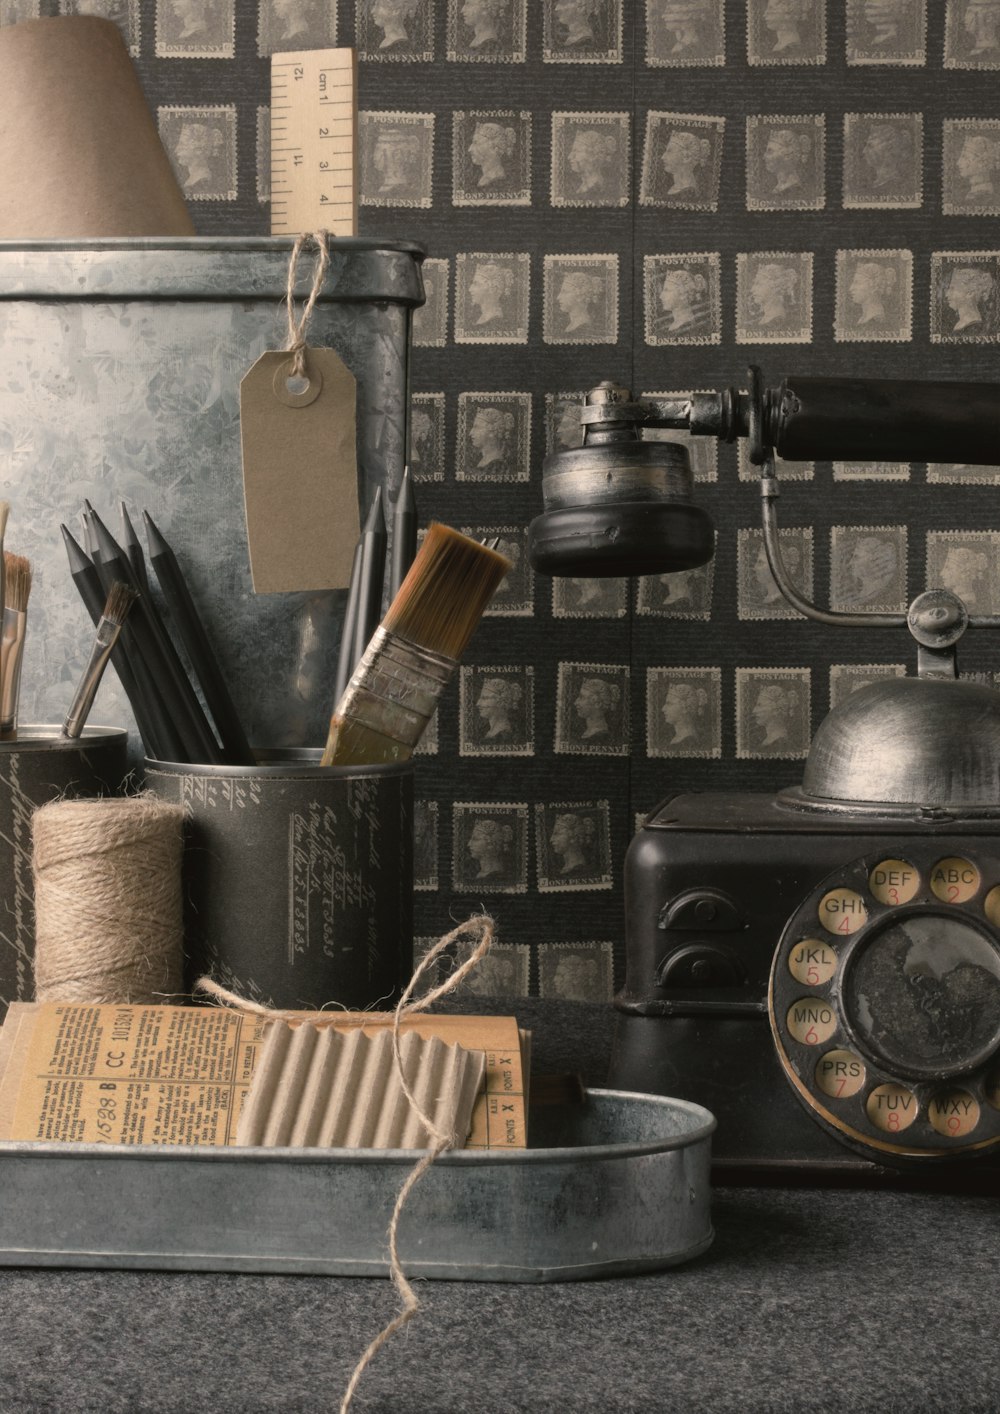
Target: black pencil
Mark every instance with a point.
(89, 538)
(133, 549)
(203, 658)
(157, 736)
(404, 534)
(159, 654)
(348, 630)
(371, 577)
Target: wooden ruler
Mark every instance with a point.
(314, 141)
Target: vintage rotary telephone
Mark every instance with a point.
(858, 913)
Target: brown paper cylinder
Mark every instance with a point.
(79, 151)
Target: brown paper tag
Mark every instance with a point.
(300, 474)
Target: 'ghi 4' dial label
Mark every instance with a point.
(842, 911)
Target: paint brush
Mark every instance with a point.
(404, 534)
(199, 649)
(414, 651)
(158, 738)
(4, 513)
(372, 575)
(109, 627)
(17, 587)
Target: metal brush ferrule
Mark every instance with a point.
(395, 688)
(11, 650)
(107, 636)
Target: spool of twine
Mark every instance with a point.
(108, 900)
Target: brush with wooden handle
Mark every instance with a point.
(109, 626)
(17, 588)
(414, 652)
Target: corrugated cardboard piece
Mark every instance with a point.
(316, 1088)
(180, 1075)
(79, 151)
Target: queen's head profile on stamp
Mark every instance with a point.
(390, 17)
(490, 844)
(572, 838)
(492, 435)
(773, 292)
(871, 287)
(786, 157)
(591, 157)
(981, 22)
(684, 710)
(872, 567)
(490, 148)
(773, 710)
(595, 700)
(395, 157)
(967, 288)
(490, 285)
(885, 18)
(979, 165)
(579, 296)
(887, 152)
(682, 297)
(784, 18)
(965, 571)
(574, 22)
(683, 157)
(499, 699)
(683, 20)
(199, 146)
(483, 18)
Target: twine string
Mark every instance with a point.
(297, 328)
(408, 1005)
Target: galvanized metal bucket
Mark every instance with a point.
(40, 766)
(120, 365)
(298, 877)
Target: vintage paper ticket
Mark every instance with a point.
(179, 1075)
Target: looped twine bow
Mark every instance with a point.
(296, 345)
(480, 924)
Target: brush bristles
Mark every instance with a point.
(443, 596)
(120, 600)
(4, 513)
(17, 577)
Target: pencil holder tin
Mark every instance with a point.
(298, 877)
(42, 765)
(120, 369)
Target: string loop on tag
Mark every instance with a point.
(296, 345)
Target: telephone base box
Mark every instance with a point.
(728, 899)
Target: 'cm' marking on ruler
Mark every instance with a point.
(314, 125)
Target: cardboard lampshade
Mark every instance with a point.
(79, 150)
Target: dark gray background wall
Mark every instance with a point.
(659, 193)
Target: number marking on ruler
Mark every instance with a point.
(314, 136)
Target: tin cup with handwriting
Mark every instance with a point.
(42, 765)
(298, 877)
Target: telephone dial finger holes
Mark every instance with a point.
(886, 1017)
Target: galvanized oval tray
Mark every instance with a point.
(617, 1184)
